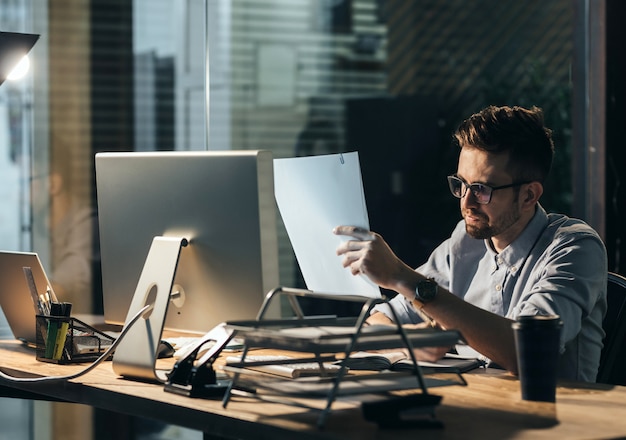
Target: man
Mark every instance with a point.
(506, 258)
(72, 228)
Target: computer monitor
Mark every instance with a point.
(222, 202)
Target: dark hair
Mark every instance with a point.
(518, 131)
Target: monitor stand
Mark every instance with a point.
(135, 356)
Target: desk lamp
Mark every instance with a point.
(13, 48)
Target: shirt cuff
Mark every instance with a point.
(404, 310)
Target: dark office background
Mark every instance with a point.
(615, 202)
(444, 61)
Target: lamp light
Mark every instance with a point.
(14, 47)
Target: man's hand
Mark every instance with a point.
(370, 255)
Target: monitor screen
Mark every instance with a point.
(222, 202)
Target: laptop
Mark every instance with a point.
(15, 297)
(19, 309)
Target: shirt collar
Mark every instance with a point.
(514, 254)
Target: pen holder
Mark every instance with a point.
(64, 340)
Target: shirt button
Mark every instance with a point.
(494, 268)
(498, 287)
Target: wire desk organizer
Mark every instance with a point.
(75, 340)
(323, 338)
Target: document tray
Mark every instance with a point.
(323, 335)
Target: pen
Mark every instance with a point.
(51, 294)
(44, 304)
(427, 319)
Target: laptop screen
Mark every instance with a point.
(15, 297)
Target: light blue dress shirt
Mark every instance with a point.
(558, 265)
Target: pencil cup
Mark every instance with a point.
(51, 337)
(537, 341)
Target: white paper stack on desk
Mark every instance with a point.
(287, 369)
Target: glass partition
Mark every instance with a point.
(390, 79)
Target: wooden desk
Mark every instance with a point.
(489, 407)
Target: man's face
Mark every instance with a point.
(500, 217)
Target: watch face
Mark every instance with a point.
(426, 290)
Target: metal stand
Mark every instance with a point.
(331, 335)
(136, 355)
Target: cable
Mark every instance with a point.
(94, 364)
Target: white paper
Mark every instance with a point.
(315, 194)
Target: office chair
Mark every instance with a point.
(612, 368)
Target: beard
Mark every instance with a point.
(484, 229)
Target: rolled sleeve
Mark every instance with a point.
(571, 282)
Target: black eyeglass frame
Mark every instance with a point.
(478, 189)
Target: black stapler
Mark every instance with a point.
(195, 377)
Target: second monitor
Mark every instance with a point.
(222, 202)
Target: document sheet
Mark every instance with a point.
(315, 194)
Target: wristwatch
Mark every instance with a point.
(425, 292)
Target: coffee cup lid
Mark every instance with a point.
(540, 320)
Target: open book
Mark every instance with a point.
(399, 360)
(362, 360)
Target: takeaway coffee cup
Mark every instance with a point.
(537, 344)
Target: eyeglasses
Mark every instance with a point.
(482, 193)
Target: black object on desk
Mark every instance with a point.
(195, 377)
(415, 410)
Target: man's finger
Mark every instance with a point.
(354, 231)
